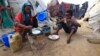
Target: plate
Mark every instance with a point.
(36, 31)
(53, 37)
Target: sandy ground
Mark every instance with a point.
(78, 46)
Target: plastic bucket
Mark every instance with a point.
(5, 39)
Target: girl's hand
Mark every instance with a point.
(28, 27)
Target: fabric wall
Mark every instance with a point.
(94, 20)
(17, 4)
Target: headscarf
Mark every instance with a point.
(26, 17)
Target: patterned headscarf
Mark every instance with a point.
(23, 10)
(27, 16)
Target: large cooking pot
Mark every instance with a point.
(46, 30)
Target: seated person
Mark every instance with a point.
(24, 21)
(1, 21)
(69, 25)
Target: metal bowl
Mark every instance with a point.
(53, 37)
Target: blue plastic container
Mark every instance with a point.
(5, 39)
(41, 16)
(46, 30)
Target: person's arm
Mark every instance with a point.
(76, 23)
(1, 8)
(70, 35)
(62, 20)
(23, 26)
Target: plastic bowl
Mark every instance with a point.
(41, 16)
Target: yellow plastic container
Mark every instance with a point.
(15, 42)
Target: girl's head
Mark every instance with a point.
(68, 14)
(27, 9)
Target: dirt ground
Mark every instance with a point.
(78, 46)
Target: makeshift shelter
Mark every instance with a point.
(38, 5)
(78, 9)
